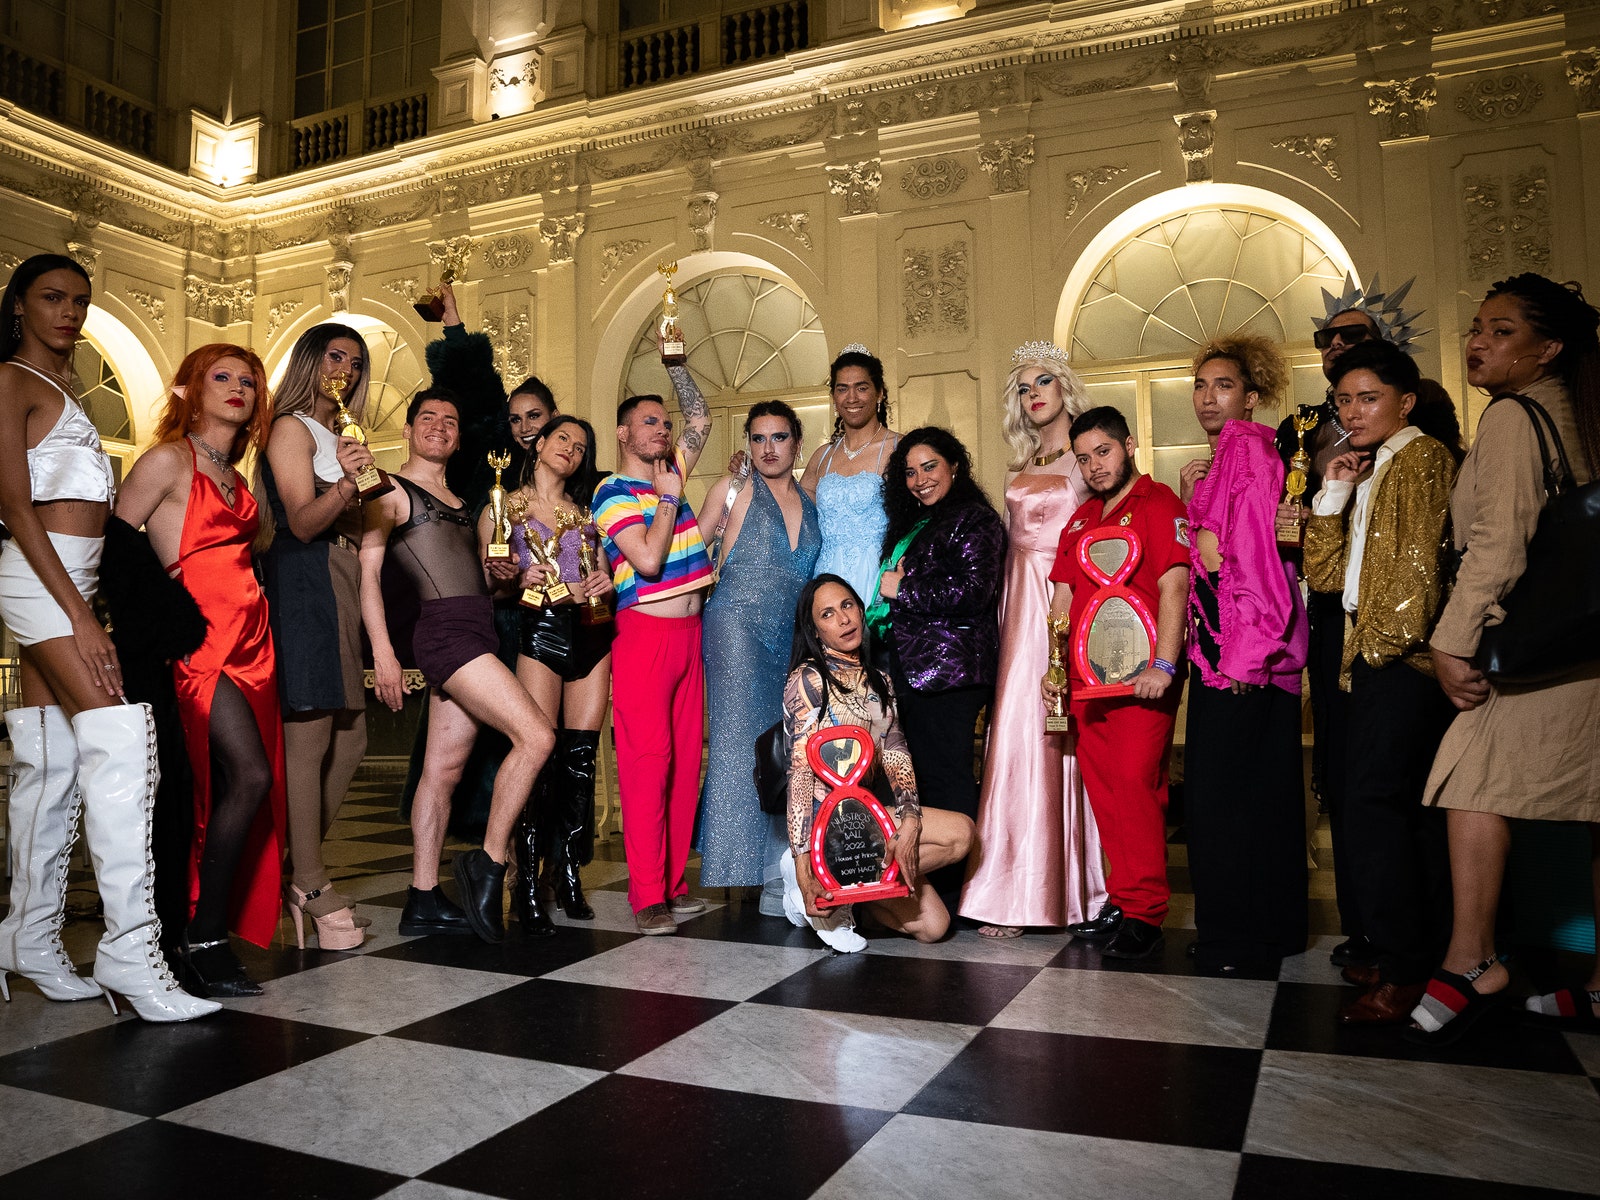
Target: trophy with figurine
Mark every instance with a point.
(598, 610)
(1057, 720)
(672, 351)
(1292, 529)
(430, 305)
(371, 482)
(557, 590)
(499, 521)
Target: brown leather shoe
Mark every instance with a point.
(654, 920)
(1382, 1004)
(1363, 975)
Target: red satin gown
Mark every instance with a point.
(214, 564)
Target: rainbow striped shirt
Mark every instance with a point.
(622, 502)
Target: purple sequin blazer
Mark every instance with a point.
(946, 631)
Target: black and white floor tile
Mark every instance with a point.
(742, 1059)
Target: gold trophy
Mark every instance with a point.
(1292, 530)
(671, 332)
(557, 591)
(370, 481)
(1057, 721)
(598, 610)
(518, 510)
(430, 305)
(499, 522)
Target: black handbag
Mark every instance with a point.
(771, 771)
(1552, 621)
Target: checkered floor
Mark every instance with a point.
(740, 1059)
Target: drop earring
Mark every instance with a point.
(16, 327)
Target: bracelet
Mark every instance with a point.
(669, 499)
(1162, 664)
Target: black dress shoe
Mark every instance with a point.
(1102, 929)
(431, 912)
(213, 970)
(1135, 939)
(1356, 951)
(481, 880)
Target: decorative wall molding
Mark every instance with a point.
(527, 74)
(153, 305)
(508, 334)
(933, 178)
(560, 235)
(1402, 105)
(1195, 139)
(506, 252)
(452, 254)
(339, 274)
(406, 287)
(702, 217)
(284, 309)
(1319, 148)
(219, 304)
(1583, 73)
(1500, 97)
(1007, 162)
(936, 289)
(858, 183)
(1081, 183)
(1507, 223)
(85, 255)
(795, 224)
(614, 254)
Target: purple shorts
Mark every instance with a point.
(452, 632)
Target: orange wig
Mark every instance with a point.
(183, 410)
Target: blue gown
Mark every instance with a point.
(748, 628)
(850, 513)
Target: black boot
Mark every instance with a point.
(481, 880)
(571, 819)
(525, 844)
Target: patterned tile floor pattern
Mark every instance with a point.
(741, 1059)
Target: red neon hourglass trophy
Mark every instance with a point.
(1116, 635)
(850, 836)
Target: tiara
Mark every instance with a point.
(1383, 308)
(1039, 352)
(855, 348)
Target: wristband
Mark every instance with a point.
(669, 499)
(1162, 664)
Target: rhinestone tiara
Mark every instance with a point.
(856, 348)
(1394, 324)
(1039, 352)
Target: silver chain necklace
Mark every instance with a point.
(217, 457)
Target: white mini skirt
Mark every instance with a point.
(29, 611)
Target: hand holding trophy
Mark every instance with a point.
(499, 522)
(371, 482)
(517, 510)
(430, 305)
(1057, 721)
(1292, 527)
(557, 590)
(598, 610)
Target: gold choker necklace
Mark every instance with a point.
(1044, 460)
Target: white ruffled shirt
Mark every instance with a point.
(1335, 494)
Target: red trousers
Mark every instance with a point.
(1123, 746)
(658, 702)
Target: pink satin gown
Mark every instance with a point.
(1037, 860)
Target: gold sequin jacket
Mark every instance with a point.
(1403, 581)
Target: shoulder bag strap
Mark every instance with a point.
(1555, 482)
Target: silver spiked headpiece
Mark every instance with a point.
(1394, 324)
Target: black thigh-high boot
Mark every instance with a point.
(571, 820)
(525, 844)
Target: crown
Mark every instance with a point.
(1039, 352)
(1394, 324)
(856, 348)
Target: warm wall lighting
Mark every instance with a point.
(224, 153)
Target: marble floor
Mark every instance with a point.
(741, 1059)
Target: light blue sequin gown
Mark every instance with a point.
(747, 631)
(850, 513)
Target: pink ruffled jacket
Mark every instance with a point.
(1263, 634)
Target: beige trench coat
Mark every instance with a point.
(1531, 752)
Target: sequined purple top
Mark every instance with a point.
(571, 571)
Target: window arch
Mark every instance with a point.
(104, 396)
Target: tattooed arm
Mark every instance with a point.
(696, 416)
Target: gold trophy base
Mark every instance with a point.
(532, 598)
(430, 307)
(557, 592)
(596, 612)
(1057, 723)
(672, 353)
(372, 483)
(1291, 531)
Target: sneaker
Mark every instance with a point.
(655, 919)
(687, 904)
(772, 898)
(837, 929)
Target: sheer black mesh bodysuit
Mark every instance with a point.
(436, 551)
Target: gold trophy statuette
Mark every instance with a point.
(1292, 530)
(557, 591)
(430, 305)
(517, 509)
(671, 332)
(370, 481)
(1057, 721)
(499, 522)
(598, 610)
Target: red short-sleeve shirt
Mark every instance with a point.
(1155, 515)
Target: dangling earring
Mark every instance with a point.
(16, 326)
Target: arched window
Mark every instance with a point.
(104, 396)
(1176, 282)
(749, 337)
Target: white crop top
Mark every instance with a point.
(68, 463)
(325, 461)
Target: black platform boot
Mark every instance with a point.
(525, 844)
(571, 820)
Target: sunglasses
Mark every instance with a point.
(1348, 334)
